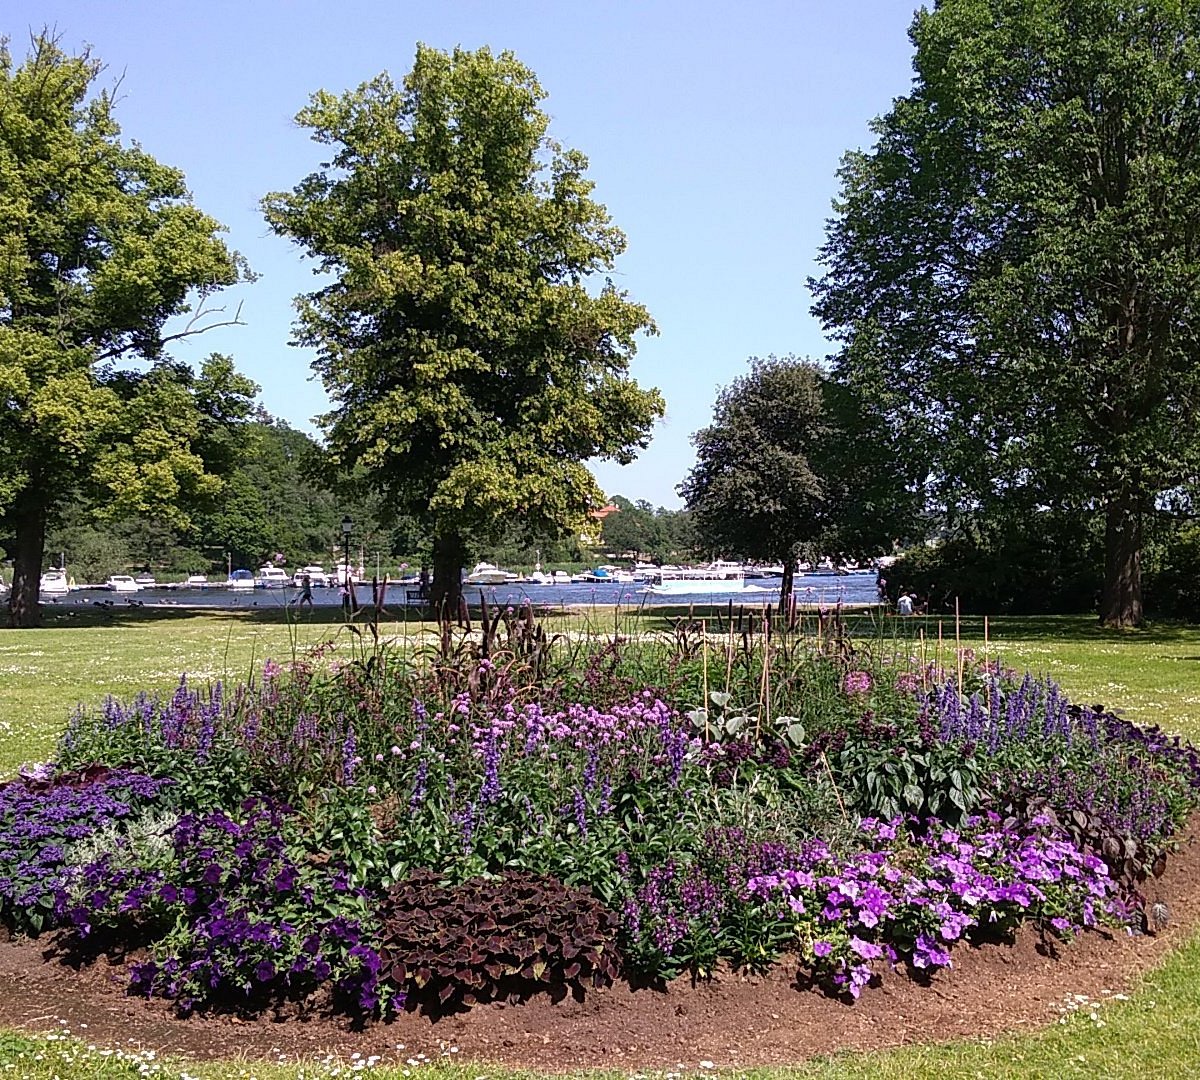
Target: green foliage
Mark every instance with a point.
(1045, 564)
(1172, 581)
(787, 470)
(472, 369)
(1012, 269)
(99, 246)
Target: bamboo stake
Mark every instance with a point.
(767, 679)
(729, 658)
(833, 783)
(958, 644)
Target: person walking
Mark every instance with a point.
(306, 596)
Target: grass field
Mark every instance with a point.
(1153, 675)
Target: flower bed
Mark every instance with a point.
(397, 834)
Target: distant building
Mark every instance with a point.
(589, 535)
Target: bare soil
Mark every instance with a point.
(732, 1020)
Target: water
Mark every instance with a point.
(816, 589)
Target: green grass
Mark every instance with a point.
(1150, 674)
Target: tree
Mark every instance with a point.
(472, 370)
(99, 246)
(1014, 268)
(633, 528)
(784, 471)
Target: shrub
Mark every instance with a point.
(509, 937)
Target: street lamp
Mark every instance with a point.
(347, 529)
(347, 584)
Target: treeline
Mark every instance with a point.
(1049, 561)
(272, 501)
(278, 501)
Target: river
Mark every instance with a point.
(810, 589)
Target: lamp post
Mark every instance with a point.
(347, 529)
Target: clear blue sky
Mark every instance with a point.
(714, 131)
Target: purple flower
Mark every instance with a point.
(857, 682)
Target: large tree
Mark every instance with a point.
(472, 368)
(786, 471)
(1014, 268)
(99, 247)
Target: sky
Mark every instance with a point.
(714, 132)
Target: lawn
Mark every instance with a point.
(1150, 674)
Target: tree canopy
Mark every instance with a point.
(472, 367)
(786, 471)
(1014, 267)
(100, 246)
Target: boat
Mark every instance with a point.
(344, 573)
(239, 580)
(716, 577)
(145, 581)
(604, 575)
(122, 583)
(316, 575)
(487, 574)
(772, 571)
(54, 583)
(197, 581)
(272, 577)
(560, 577)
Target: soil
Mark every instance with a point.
(730, 1021)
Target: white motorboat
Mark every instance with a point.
(146, 581)
(240, 580)
(272, 577)
(716, 577)
(197, 581)
(560, 577)
(54, 583)
(605, 575)
(122, 583)
(487, 574)
(316, 575)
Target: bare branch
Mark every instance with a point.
(190, 330)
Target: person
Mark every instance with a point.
(306, 596)
(346, 595)
(881, 585)
(904, 606)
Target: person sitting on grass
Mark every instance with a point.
(904, 605)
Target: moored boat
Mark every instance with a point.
(122, 583)
(54, 583)
(486, 573)
(240, 580)
(272, 577)
(316, 575)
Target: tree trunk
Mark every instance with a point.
(1121, 600)
(445, 595)
(23, 610)
(785, 588)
